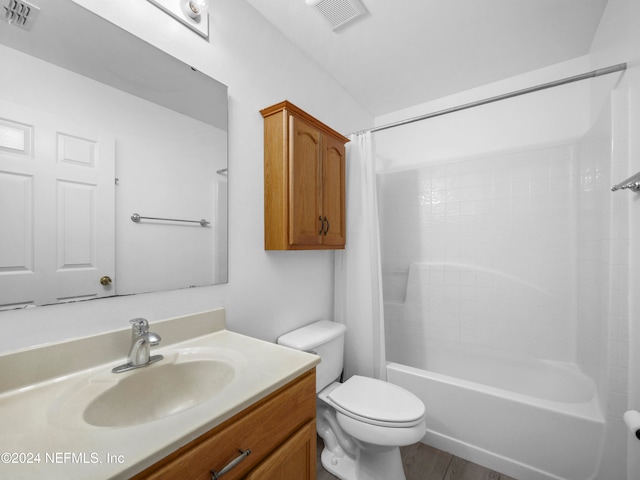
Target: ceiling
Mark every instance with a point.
(406, 52)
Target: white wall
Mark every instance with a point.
(617, 40)
(444, 142)
(268, 292)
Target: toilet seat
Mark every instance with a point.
(375, 402)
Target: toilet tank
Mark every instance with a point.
(325, 339)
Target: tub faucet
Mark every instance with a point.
(141, 342)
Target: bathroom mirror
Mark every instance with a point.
(96, 126)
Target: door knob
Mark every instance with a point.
(106, 280)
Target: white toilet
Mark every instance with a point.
(362, 421)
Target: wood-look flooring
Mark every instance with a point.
(422, 462)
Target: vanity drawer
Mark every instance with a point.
(262, 427)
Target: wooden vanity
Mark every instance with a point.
(279, 430)
(267, 406)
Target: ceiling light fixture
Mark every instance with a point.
(192, 13)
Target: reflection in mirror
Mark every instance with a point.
(95, 126)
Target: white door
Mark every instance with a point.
(57, 202)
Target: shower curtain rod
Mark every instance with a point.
(595, 73)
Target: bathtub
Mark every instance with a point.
(529, 419)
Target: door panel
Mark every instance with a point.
(17, 244)
(334, 188)
(305, 200)
(294, 459)
(57, 199)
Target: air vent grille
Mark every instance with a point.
(338, 12)
(19, 13)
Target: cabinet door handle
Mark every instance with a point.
(321, 224)
(327, 229)
(231, 465)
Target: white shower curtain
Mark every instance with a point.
(358, 287)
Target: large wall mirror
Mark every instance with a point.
(96, 126)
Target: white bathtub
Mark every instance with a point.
(531, 420)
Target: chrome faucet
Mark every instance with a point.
(141, 342)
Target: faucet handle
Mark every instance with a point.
(139, 326)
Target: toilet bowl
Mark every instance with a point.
(362, 421)
(379, 417)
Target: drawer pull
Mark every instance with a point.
(231, 465)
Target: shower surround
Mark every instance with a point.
(485, 254)
(517, 255)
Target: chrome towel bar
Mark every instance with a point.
(136, 218)
(632, 183)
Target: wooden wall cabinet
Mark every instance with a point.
(304, 181)
(280, 431)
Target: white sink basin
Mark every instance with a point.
(184, 379)
(63, 397)
(152, 393)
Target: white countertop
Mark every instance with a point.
(40, 437)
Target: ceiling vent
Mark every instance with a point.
(19, 13)
(338, 12)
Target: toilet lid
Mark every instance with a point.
(377, 401)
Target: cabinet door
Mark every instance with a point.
(294, 459)
(333, 187)
(305, 183)
(265, 428)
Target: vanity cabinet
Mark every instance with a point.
(304, 181)
(280, 431)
